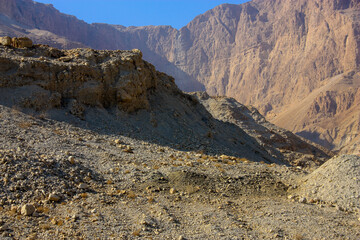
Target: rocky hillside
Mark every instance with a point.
(296, 149)
(270, 54)
(98, 144)
(83, 81)
(118, 89)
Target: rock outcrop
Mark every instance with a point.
(93, 78)
(21, 42)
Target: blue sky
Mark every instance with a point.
(176, 13)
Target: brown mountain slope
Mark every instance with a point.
(329, 115)
(270, 54)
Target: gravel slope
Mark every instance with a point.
(116, 187)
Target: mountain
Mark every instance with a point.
(269, 54)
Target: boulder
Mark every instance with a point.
(27, 209)
(6, 41)
(22, 42)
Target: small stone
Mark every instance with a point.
(74, 217)
(71, 159)
(27, 209)
(14, 209)
(290, 197)
(35, 214)
(172, 190)
(54, 197)
(21, 42)
(54, 221)
(312, 200)
(128, 149)
(302, 200)
(181, 238)
(83, 186)
(339, 208)
(118, 141)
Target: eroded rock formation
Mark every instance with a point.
(93, 78)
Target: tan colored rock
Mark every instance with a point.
(295, 150)
(71, 159)
(137, 51)
(22, 42)
(270, 55)
(83, 186)
(54, 197)
(27, 209)
(329, 115)
(6, 41)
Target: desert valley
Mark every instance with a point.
(243, 124)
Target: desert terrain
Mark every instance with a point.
(130, 156)
(243, 124)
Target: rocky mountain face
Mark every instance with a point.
(329, 115)
(270, 54)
